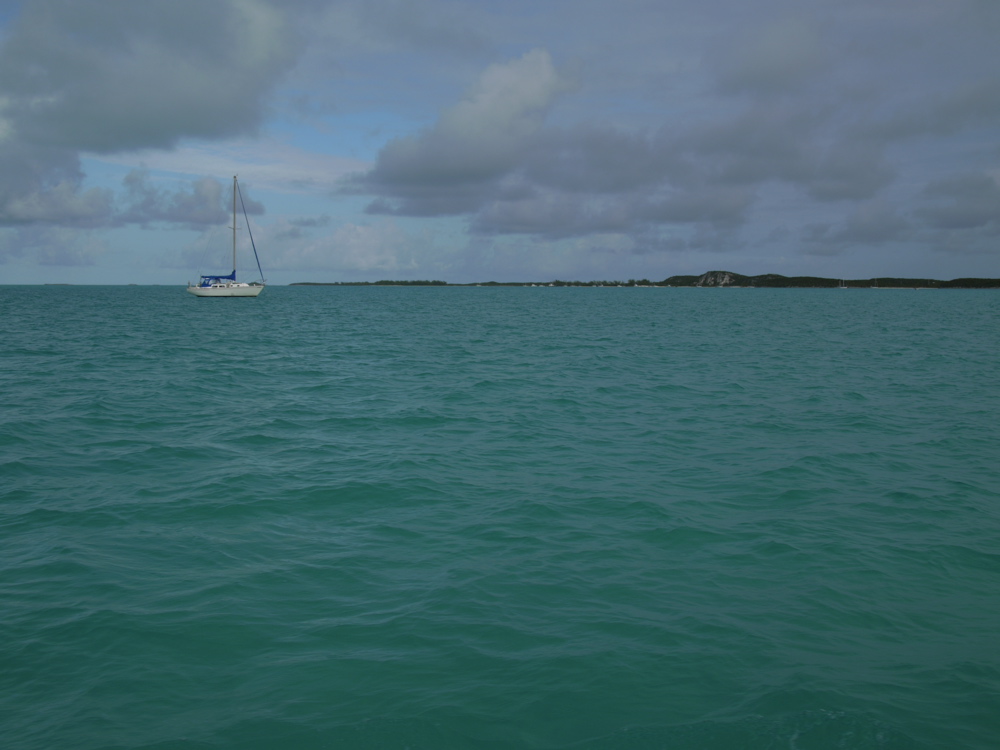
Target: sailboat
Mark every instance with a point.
(228, 286)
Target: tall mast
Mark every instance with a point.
(234, 224)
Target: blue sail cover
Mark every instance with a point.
(209, 280)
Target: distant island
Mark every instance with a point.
(713, 279)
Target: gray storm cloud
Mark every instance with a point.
(650, 126)
(119, 76)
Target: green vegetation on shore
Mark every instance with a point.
(715, 279)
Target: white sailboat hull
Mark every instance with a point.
(227, 290)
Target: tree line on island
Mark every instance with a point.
(713, 279)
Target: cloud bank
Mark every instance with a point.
(121, 76)
(572, 135)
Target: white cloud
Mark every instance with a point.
(473, 144)
(266, 162)
(382, 247)
(62, 203)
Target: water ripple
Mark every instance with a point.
(560, 518)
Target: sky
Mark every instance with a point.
(491, 140)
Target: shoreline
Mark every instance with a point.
(710, 280)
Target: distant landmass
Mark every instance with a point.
(777, 281)
(715, 279)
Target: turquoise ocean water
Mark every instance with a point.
(499, 518)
